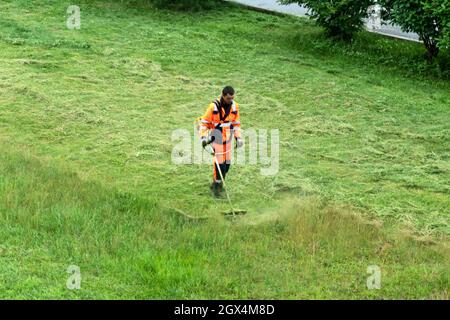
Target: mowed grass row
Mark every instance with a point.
(96, 108)
(130, 247)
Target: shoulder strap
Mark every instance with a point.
(234, 108)
(216, 106)
(227, 112)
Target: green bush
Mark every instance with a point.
(193, 5)
(340, 18)
(430, 19)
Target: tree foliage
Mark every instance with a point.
(430, 19)
(340, 18)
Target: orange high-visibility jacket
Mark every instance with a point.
(215, 118)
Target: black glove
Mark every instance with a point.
(239, 142)
(204, 142)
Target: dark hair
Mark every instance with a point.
(228, 91)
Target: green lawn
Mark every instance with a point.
(86, 177)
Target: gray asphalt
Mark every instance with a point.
(297, 10)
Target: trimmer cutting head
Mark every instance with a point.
(235, 213)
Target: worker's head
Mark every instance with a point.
(228, 94)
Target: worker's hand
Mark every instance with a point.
(239, 142)
(204, 142)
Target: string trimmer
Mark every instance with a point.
(233, 212)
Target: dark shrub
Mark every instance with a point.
(192, 5)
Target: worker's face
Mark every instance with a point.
(228, 99)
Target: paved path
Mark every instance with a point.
(372, 25)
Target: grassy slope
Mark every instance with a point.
(130, 247)
(103, 101)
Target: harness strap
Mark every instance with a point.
(219, 125)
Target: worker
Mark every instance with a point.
(219, 125)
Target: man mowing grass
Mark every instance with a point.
(219, 124)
